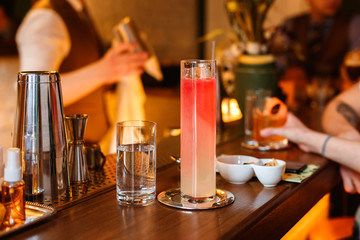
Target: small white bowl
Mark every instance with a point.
(269, 176)
(233, 168)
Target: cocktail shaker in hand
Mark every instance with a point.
(126, 31)
(39, 132)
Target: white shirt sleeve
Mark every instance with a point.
(42, 40)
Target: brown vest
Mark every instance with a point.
(335, 44)
(85, 49)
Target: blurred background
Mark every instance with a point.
(175, 29)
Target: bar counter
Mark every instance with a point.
(257, 213)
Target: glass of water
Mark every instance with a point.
(135, 162)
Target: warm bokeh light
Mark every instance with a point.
(230, 110)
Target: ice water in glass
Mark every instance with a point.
(135, 170)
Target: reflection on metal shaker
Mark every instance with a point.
(39, 132)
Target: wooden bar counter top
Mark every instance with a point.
(257, 213)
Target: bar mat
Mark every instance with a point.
(298, 178)
(105, 180)
(100, 181)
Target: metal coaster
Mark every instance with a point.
(254, 145)
(34, 213)
(172, 198)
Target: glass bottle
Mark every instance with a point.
(13, 190)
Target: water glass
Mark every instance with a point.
(136, 162)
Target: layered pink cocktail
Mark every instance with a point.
(198, 130)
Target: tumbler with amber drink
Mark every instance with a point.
(263, 111)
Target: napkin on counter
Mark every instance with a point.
(298, 178)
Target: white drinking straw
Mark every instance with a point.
(213, 50)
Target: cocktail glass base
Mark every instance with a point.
(265, 146)
(173, 198)
(133, 201)
(198, 200)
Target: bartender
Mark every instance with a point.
(59, 35)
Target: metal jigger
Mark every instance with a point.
(77, 163)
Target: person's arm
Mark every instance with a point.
(340, 150)
(43, 43)
(119, 61)
(350, 177)
(341, 115)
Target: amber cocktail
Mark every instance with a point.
(263, 111)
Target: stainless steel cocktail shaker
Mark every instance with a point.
(126, 31)
(39, 132)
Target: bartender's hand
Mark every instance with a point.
(121, 60)
(351, 180)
